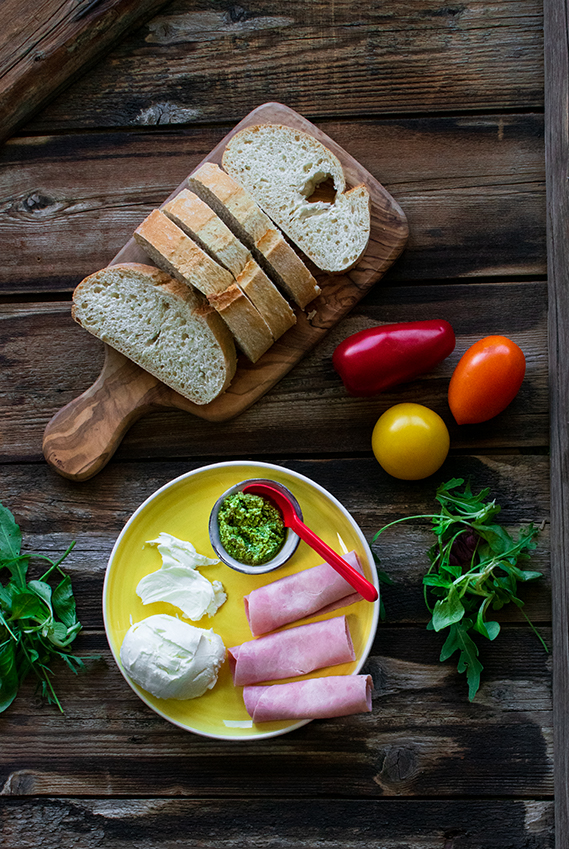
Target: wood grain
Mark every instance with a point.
(45, 46)
(402, 87)
(472, 188)
(423, 729)
(407, 59)
(557, 153)
(234, 824)
(82, 437)
(306, 413)
(416, 741)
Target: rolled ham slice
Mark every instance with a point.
(313, 698)
(293, 652)
(307, 593)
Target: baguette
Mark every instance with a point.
(160, 324)
(281, 167)
(201, 223)
(175, 252)
(240, 212)
(251, 331)
(277, 312)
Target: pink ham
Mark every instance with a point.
(313, 698)
(307, 593)
(293, 652)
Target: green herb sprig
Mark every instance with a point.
(38, 621)
(473, 569)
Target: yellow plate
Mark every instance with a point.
(182, 508)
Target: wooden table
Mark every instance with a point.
(444, 105)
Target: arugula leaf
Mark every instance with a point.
(27, 605)
(38, 622)
(10, 535)
(42, 589)
(448, 610)
(473, 569)
(8, 674)
(459, 640)
(64, 602)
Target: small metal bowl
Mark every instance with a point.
(285, 553)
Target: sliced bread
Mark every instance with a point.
(201, 223)
(173, 251)
(252, 333)
(275, 310)
(281, 167)
(160, 324)
(240, 212)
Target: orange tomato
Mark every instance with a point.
(487, 378)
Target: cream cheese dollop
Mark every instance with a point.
(178, 581)
(172, 659)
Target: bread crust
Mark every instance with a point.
(241, 213)
(281, 167)
(140, 285)
(179, 255)
(251, 332)
(276, 311)
(201, 223)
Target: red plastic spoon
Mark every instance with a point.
(291, 520)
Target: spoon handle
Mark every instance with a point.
(365, 588)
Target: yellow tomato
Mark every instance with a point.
(410, 441)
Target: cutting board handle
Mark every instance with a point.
(82, 437)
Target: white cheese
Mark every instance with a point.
(172, 659)
(178, 581)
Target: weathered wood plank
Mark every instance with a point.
(557, 153)
(53, 512)
(44, 46)
(423, 737)
(205, 63)
(305, 413)
(472, 189)
(389, 823)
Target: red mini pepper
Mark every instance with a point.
(376, 359)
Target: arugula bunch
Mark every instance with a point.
(473, 569)
(38, 621)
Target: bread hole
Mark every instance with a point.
(321, 188)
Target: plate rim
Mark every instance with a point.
(224, 465)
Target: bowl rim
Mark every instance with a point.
(284, 553)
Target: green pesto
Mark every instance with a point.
(251, 529)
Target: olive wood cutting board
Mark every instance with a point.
(81, 438)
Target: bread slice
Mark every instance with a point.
(161, 325)
(240, 212)
(281, 167)
(201, 223)
(251, 331)
(174, 252)
(275, 310)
